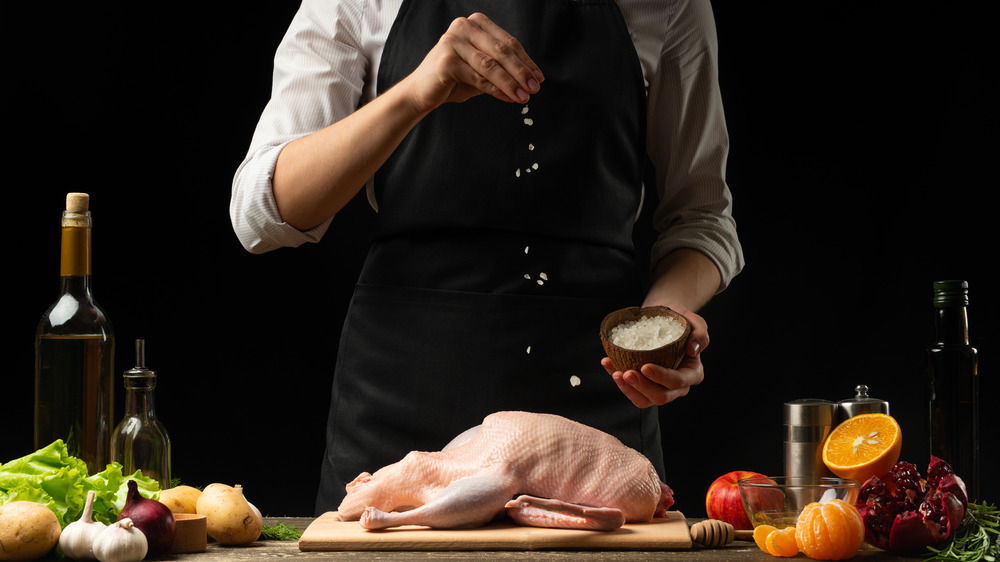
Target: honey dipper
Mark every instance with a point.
(712, 533)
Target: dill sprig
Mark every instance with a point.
(280, 532)
(977, 537)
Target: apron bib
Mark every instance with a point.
(503, 238)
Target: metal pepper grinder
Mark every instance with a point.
(860, 404)
(808, 422)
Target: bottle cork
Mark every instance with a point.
(78, 202)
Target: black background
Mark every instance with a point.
(862, 167)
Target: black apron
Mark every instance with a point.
(503, 237)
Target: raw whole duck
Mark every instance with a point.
(541, 470)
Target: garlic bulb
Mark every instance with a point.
(77, 540)
(120, 542)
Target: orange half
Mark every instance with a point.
(863, 446)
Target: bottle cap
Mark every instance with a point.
(860, 404)
(140, 374)
(951, 293)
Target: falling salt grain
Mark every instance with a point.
(526, 249)
(517, 173)
(534, 166)
(540, 282)
(574, 381)
(528, 351)
(531, 146)
(527, 276)
(524, 110)
(543, 276)
(528, 121)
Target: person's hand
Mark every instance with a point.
(653, 384)
(474, 56)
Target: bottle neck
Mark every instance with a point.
(76, 285)
(139, 396)
(951, 325)
(75, 257)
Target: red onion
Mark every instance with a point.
(153, 518)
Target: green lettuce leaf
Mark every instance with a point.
(52, 477)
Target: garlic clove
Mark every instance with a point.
(77, 540)
(120, 542)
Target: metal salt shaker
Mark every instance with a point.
(808, 422)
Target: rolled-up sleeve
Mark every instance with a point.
(688, 143)
(321, 69)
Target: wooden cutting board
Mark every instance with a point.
(328, 533)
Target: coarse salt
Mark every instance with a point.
(574, 381)
(648, 332)
(529, 121)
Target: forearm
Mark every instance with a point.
(316, 175)
(685, 279)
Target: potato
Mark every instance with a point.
(181, 499)
(230, 519)
(28, 530)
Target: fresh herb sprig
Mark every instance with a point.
(977, 537)
(280, 532)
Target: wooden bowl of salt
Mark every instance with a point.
(637, 335)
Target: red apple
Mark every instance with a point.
(723, 499)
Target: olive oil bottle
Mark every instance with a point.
(74, 353)
(141, 442)
(953, 373)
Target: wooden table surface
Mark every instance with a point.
(274, 550)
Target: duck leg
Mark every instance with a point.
(467, 502)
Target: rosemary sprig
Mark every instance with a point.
(977, 537)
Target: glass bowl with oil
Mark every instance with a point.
(778, 500)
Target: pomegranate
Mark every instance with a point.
(907, 514)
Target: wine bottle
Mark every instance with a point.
(952, 370)
(74, 353)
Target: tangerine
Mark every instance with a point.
(782, 543)
(760, 534)
(829, 531)
(863, 446)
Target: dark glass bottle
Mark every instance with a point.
(140, 441)
(952, 369)
(74, 353)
